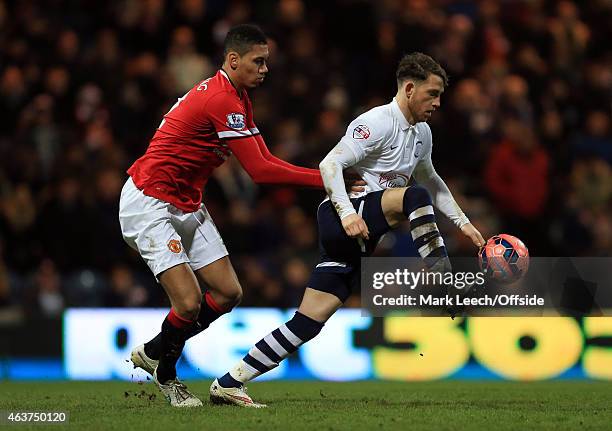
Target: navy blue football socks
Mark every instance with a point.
(272, 349)
(418, 208)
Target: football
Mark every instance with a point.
(504, 258)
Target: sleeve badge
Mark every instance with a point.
(361, 132)
(235, 121)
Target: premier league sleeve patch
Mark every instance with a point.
(235, 121)
(361, 132)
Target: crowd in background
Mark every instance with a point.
(523, 137)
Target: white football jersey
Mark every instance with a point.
(386, 151)
(387, 146)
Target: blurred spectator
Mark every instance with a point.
(452, 52)
(5, 287)
(515, 99)
(65, 226)
(17, 221)
(300, 231)
(591, 185)
(105, 231)
(596, 140)
(473, 122)
(526, 116)
(13, 93)
(516, 176)
(124, 289)
(584, 225)
(185, 65)
(259, 288)
(44, 297)
(570, 37)
(516, 173)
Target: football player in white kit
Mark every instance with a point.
(386, 146)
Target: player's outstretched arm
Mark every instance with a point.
(426, 175)
(230, 119)
(351, 180)
(272, 158)
(265, 171)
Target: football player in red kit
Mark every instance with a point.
(161, 211)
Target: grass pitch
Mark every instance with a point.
(322, 406)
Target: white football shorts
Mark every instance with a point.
(166, 236)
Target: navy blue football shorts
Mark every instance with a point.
(338, 271)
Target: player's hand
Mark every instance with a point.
(353, 182)
(472, 233)
(355, 226)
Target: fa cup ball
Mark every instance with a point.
(504, 258)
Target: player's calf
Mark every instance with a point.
(226, 301)
(328, 292)
(271, 350)
(172, 340)
(225, 293)
(210, 311)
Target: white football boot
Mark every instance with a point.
(234, 396)
(176, 393)
(141, 360)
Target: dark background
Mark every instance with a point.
(523, 137)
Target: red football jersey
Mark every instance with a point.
(191, 142)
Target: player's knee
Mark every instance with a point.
(188, 308)
(235, 298)
(415, 197)
(392, 205)
(231, 296)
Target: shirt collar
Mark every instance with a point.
(222, 72)
(225, 75)
(397, 113)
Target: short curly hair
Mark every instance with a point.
(419, 66)
(241, 39)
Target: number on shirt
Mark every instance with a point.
(204, 85)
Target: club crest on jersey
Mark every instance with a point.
(235, 120)
(174, 245)
(361, 132)
(390, 180)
